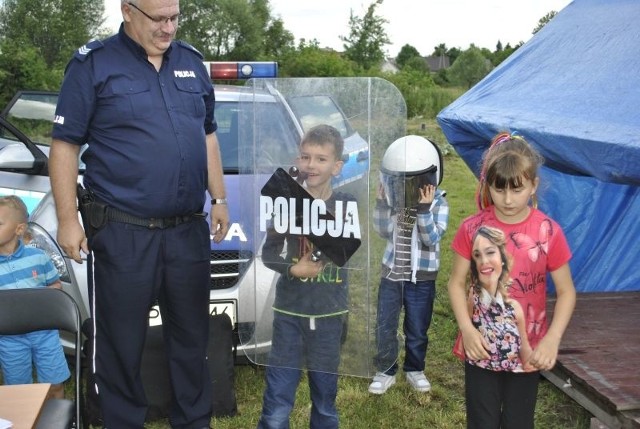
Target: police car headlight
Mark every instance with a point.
(37, 236)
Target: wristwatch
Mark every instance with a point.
(218, 201)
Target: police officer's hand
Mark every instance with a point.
(219, 222)
(72, 239)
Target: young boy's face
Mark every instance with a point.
(319, 163)
(11, 227)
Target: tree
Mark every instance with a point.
(22, 67)
(440, 50)
(309, 60)
(38, 38)
(406, 53)
(470, 67)
(500, 56)
(55, 28)
(417, 63)
(367, 38)
(226, 29)
(414, 85)
(544, 21)
(453, 54)
(278, 40)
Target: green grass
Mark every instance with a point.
(401, 407)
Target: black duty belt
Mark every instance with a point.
(116, 215)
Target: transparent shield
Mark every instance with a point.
(309, 212)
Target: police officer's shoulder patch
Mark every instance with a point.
(84, 51)
(185, 45)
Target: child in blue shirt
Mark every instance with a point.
(27, 267)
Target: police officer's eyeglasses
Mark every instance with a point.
(158, 19)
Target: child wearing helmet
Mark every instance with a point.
(411, 213)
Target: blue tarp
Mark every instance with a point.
(573, 91)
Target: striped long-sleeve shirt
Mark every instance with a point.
(428, 228)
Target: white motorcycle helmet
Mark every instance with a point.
(408, 164)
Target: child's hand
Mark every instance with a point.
(545, 354)
(525, 357)
(427, 194)
(306, 268)
(475, 346)
(381, 195)
(56, 285)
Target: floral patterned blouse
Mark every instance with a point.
(496, 321)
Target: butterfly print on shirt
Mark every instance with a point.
(534, 247)
(534, 322)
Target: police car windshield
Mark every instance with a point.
(268, 140)
(319, 109)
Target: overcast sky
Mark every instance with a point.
(422, 24)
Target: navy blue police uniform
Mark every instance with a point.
(146, 160)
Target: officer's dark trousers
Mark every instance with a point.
(134, 266)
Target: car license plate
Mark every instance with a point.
(215, 307)
(224, 307)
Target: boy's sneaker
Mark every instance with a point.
(418, 381)
(381, 383)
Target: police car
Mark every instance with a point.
(25, 135)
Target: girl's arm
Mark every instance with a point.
(545, 354)
(474, 345)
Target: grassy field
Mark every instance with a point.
(401, 407)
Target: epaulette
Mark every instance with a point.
(84, 51)
(189, 47)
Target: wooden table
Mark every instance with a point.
(21, 403)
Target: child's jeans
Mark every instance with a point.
(295, 345)
(417, 300)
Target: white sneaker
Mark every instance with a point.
(381, 383)
(418, 381)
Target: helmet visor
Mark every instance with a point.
(402, 189)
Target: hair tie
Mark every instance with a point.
(500, 138)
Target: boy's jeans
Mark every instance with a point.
(417, 299)
(295, 346)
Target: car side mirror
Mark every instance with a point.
(16, 156)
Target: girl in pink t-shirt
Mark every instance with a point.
(506, 200)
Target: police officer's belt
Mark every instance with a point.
(116, 215)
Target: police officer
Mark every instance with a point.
(144, 103)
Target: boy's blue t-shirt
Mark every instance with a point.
(27, 267)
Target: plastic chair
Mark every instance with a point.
(28, 310)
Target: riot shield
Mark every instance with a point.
(323, 320)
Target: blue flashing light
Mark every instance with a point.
(242, 70)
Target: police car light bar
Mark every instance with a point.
(241, 70)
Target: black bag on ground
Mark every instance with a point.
(222, 353)
(155, 373)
